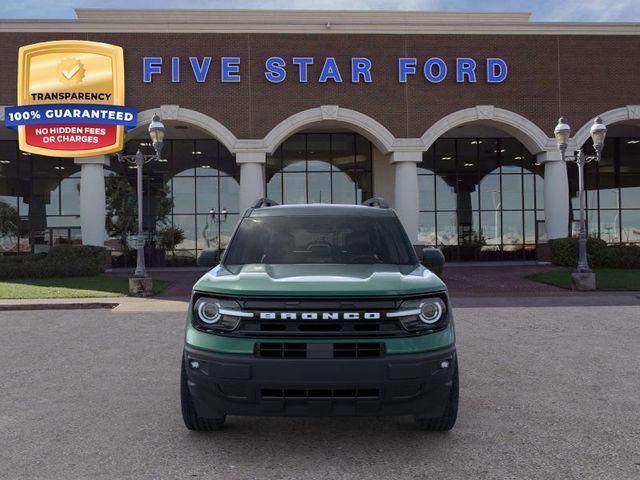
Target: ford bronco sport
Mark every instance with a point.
(319, 310)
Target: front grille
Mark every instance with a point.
(320, 350)
(304, 328)
(321, 328)
(320, 393)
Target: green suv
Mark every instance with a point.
(319, 310)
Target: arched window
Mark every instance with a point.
(480, 198)
(320, 168)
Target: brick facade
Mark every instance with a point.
(575, 75)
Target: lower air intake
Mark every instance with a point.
(319, 393)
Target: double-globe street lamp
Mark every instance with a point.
(583, 278)
(156, 133)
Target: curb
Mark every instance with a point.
(57, 306)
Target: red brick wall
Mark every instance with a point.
(578, 76)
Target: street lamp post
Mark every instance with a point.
(156, 133)
(583, 278)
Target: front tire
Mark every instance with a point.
(448, 418)
(191, 419)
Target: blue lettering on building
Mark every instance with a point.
(151, 66)
(230, 69)
(303, 67)
(435, 70)
(175, 69)
(360, 68)
(279, 69)
(465, 69)
(200, 70)
(406, 66)
(330, 71)
(496, 70)
(275, 71)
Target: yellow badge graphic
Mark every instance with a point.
(71, 99)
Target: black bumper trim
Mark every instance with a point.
(411, 384)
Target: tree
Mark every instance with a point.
(169, 237)
(122, 208)
(9, 221)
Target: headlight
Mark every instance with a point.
(208, 310)
(422, 314)
(431, 311)
(211, 313)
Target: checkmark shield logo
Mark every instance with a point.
(70, 71)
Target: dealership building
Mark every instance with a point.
(448, 116)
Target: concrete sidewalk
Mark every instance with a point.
(117, 304)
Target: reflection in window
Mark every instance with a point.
(200, 179)
(39, 198)
(479, 198)
(612, 191)
(320, 168)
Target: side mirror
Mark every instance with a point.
(433, 259)
(209, 257)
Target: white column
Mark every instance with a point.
(93, 209)
(251, 177)
(406, 190)
(556, 195)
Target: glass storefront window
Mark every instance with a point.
(342, 184)
(630, 190)
(320, 168)
(445, 195)
(294, 187)
(612, 191)
(207, 194)
(479, 198)
(512, 192)
(427, 228)
(195, 188)
(319, 152)
(320, 187)
(630, 225)
(490, 192)
(426, 187)
(447, 228)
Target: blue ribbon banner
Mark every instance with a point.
(70, 113)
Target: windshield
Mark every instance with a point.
(320, 239)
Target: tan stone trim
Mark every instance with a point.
(610, 117)
(295, 21)
(298, 16)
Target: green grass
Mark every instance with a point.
(607, 279)
(70, 287)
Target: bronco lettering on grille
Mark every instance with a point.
(319, 316)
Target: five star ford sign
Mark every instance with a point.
(71, 99)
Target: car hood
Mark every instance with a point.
(320, 280)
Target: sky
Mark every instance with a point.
(542, 10)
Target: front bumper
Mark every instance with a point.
(409, 384)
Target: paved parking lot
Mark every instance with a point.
(550, 392)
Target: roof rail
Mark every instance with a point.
(377, 202)
(264, 202)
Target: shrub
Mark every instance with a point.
(61, 261)
(564, 252)
(618, 256)
(169, 237)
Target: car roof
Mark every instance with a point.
(318, 209)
